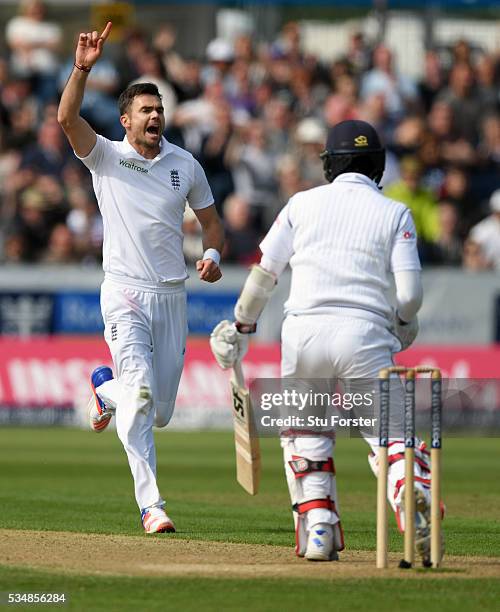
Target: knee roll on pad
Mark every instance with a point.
(298, 469)
(254, 295)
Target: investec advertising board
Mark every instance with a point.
(46, 380)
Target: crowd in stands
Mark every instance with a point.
(255, 116)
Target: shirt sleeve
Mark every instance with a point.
(200, 194)
(404, 254)
(95, 159)
(278, 242)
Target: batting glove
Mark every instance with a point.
(406, 332)
(228, 344)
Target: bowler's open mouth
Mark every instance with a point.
(153, 129)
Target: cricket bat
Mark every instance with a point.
(245, 437)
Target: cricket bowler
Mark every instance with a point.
(141, 184)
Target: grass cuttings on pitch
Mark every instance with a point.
(71, 480)
(262, 595)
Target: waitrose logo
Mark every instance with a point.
(131, 166)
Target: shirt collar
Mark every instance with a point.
(165, 149)
(355, 177)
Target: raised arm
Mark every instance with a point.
(79, 133)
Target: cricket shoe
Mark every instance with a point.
(99, 414)
(154, 520)
(320, 544)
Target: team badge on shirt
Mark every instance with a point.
(175, 180)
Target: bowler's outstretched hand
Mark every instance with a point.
(89, 47)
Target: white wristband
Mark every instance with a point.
(212, 254)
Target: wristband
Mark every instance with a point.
(82, 68)
(212, 254)
(245, 328)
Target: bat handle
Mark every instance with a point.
(238, 374)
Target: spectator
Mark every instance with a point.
(187, 85)
(213, 156)
(461, 52)
(135, 44)
(346, 87)
(420, 201)
(454, 147)
(433, 80)
(164, 45)
(32, 224)
(258, 127)
(278, 122)
(288, 44)
(15, 250)
(408, 136)
(50, 154)
(22, 129)
(489, 146)
(61, 248)
(290, 182)
(446, 250)
(310, 138)
(254, 171)
(399, 90)
(374, 111)
(85, 225)
(487, 233)
(302, 92)
(240, 92)
(150, 69)
(34, 44)
(358, 53)
(455, 189)
(429, 153)
(337, 108)
(474, 259)
(489, 87)
(241, 239)
(195, 119)
(462, 96)
(219, 55)
(243, 49)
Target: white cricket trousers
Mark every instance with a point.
(332, 347)
(146, 330)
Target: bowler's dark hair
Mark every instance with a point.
(126, 97)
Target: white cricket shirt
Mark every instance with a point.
(142, 204)
(343, 240)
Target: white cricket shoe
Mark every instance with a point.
(320, 544)
(154, 520)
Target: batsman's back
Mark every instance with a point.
(343, 237)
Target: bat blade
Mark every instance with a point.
(245, 437)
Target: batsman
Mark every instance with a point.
(343, 241)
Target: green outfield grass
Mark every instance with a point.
(125, 594)
(70, 480)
